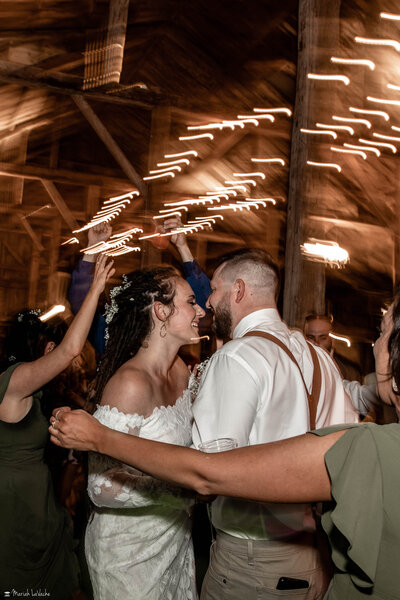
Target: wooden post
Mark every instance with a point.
(318, 27)
(60, 203)
(54, 251)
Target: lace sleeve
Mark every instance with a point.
(116, 485)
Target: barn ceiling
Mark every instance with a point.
(94, 94)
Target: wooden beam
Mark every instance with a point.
(76, 177)
(35, 239)
(33, 277)
(17, 74)
(60, 203)
(110, 143)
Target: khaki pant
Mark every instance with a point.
(250, 569)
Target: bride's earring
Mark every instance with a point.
(163, 330)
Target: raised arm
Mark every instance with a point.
(31, 376)
(291, 470)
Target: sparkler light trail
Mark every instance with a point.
(344, 150)
(269, 160)
(354, 61)
(391, 138)
(72, 240)
(179, 154)
(380, 144)
(164, 169)
(349, 120)
(260, 116)
(384, 101)
(255, 174)
(391, 16)
(341, 338)
(365, 148)
(197, 137)
(167, 173)
(285, 110)
(378, 42)
(325, 165)
(249, 181)
(324, 77)
(350, 130)
(328, 251)
(319, 131)
(378, 113)
(169, 163)
(391, 86)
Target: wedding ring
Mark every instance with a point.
(56, 415)
(54, 424)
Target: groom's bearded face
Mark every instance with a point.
(223, 318)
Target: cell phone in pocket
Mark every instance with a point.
(289, 583)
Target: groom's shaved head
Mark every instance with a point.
(255, 266)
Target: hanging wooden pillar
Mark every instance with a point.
(317, 36)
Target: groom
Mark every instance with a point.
(252, 391)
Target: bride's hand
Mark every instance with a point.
(74, 429)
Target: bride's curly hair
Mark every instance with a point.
(129, 317)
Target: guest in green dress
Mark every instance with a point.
(36, 550)
(355, 469)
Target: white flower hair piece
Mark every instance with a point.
(33, 311)
(112, 308)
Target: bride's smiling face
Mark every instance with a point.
(184, 319)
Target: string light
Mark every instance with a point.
(329, 252)
(285, 110)
(341, 338)
(336, 127)
(354, 61)
(255, 174)
(325, 165)
(386, 137)
(344, 150)
(167, 173)
(378, 42)
(378, 113)
(321, 132)
(383, 101)
(380, 144)
(179, 154)
(348, 120)
(385, 15)
(341, 78)
(269, 160)
(365, 148)
(197, 137)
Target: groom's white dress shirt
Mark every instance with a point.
(253, 392)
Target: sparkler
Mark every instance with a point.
(72, 240)
(55, 310)
(329, 252)
(341, 338)
(392, 17)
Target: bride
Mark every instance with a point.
(138, 542)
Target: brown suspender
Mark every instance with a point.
(316, 381)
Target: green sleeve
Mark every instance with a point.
(354, 520)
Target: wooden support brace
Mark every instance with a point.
(110, 143)
(35, 239)
(60, 204)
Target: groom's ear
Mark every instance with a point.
(239, 289)
(161, 311)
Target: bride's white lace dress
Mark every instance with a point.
(138, 543)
